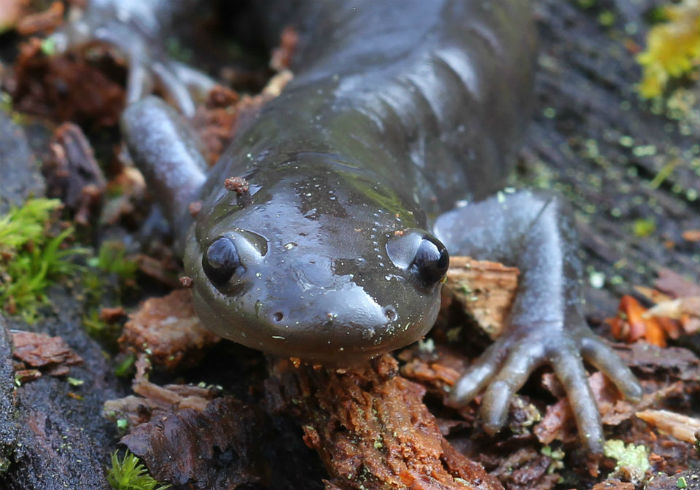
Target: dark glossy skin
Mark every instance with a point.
(395, 114)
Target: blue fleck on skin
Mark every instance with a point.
(337, 251)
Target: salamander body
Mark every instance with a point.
(363, 145)
(399, 113)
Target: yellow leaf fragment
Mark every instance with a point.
(673, 48)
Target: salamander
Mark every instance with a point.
(383, 156)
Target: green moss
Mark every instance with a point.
(110, 273)
(131, 474)
(644, 227)
(125, 367)
(112, 259)
(606, 18)
(663, 174)
(48, 46)
(5, 102)
(31, 258)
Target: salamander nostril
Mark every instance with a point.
(390, 313)
(278, 316)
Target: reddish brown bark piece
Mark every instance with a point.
(41, 350)
(169, 328)
(669, 366)
(187, 435)
(484, 289)
(72, 173)
(112, 315)
(526, 469)
(42, 22)
(26, 375)
(679, 426)
(64, 88)
(11, 12)
(164, 268)
(210, 448)
(689, 478)
(614, 485)
(217, 121)
(673, 363)
(676, 285)
(155, 401)
(371, 428)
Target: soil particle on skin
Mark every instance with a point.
(236, 184)
(282, 56)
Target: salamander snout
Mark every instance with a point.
(331, 302)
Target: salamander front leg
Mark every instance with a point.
(135, 29)
(547, 326)
(167, 153)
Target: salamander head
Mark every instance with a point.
(313, 268)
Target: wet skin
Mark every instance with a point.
(338, 250)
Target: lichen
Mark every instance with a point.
(632, 461)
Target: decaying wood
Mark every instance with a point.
(362, 421)
(679, 426)
(169, 330)
(484, 289)
(371, 428)
(592, 139)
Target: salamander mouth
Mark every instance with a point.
(322, 336)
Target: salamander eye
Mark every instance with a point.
(431, 261)
(220, 261)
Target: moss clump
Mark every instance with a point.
(112, 259)
(31, 258)
(131, 474)
(673, 48)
